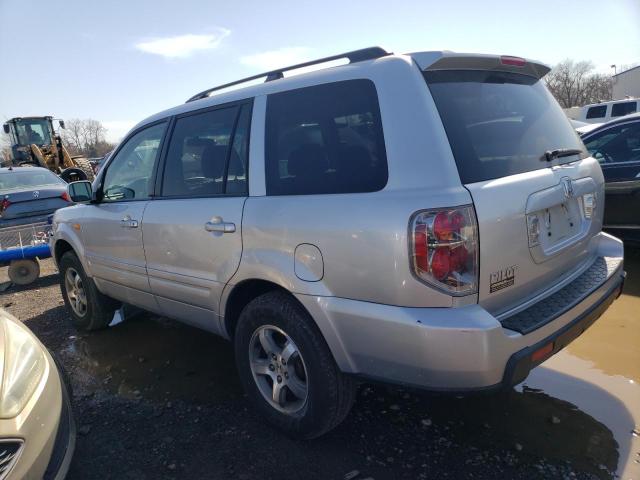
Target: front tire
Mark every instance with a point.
(89, 309)
(287, 369)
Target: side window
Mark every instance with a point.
(621, 109)
(597, 112)
(325, 139)
(616, 145)
(129, 175)
(202, 150)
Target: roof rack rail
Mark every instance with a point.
(354, 56)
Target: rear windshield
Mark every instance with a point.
(500, 123)
(27, 178)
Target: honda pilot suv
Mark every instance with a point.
(429, 220)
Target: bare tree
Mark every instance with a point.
(5, 149)
(576, 84)
(73, 135)
(86, 137)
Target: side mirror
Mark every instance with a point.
(80, 192)
(61, 123)
(6, 128)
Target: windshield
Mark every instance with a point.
(499, 123)
(33, 131)
(12, 180)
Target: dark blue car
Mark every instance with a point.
(616, 145)
(29, 195)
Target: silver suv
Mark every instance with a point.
(429, 219)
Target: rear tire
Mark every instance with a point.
(88, 308)
(324, 394)
(24, 271)
(84, 164)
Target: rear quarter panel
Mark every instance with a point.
(363, 237)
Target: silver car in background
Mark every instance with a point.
(429, 219)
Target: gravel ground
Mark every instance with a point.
(155, 399)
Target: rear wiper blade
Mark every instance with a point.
(550, 155)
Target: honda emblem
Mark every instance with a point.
(567, 185)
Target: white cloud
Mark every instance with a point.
(116, 129)
(276, 58)
(182, 46)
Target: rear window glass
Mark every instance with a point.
(597, 112)
(325, 139)
(621, 109)
(499, 123)
(28, 178)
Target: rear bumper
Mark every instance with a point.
(521, 362)
(23, 221)
(455, 349)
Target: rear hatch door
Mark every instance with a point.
(534, 187)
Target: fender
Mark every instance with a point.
(65, 229)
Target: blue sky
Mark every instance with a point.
(120, 61)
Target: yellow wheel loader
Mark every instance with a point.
(35, 142)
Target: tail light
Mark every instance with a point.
(444, 249)
(4, 204)
(65, 196)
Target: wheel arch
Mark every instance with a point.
(67, 240)
(60, 248)
(239, 295)
(236, 297)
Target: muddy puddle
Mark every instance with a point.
(579, 408)
(599, 373)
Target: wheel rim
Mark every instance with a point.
(278, 369)
(75, 292)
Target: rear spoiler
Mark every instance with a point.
(430, 61)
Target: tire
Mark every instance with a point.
(98, 308)
(84, 164)
(73, 175)
(329, 393)
(24, 271)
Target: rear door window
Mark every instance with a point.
(500, 123)
(622, 109)
(325, 139)
(204, 157)
(597, 112)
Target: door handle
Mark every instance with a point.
(218, 225)
(127, 222)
